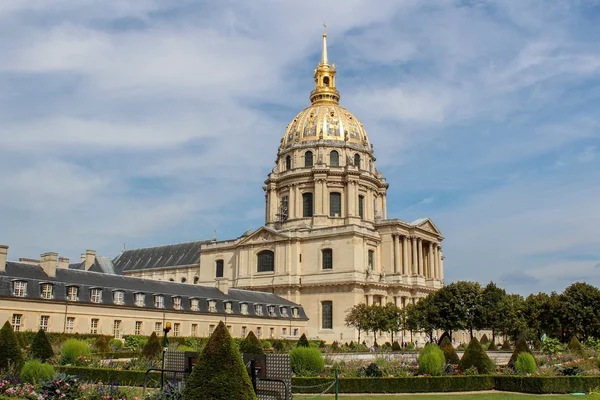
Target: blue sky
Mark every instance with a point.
(152, 122)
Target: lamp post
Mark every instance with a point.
(166, 330)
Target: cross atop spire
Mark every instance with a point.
(325, 90)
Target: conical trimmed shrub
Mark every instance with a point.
(41, 348)
(575, 346)
(303, 342)
(10, 351)
(102, 345)
(520, 347)
(492, 347)
(484, 339)
(449, 352)
(441, 339)
(251, 345)
(506, 346)
(152, 349)
(476, 357)
(219, 373)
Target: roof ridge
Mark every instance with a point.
(172, 244)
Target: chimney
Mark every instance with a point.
(90, 258)
(48, 263)
(82, 257)
(63, 262)
(3, 255)
(223, 285)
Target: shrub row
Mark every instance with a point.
(531, 384)
(111, 375)
(56, 338)
(118, 354)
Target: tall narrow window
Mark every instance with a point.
(266, 261)
(327, 315)
(117, 329)
(361, 207)
(72, 293)
(211, 329)
(288, 163)
(308, 159)
(244, 308)
(357, 160)
(96, 295)
(94, 326)
(371, 258)
(47, 291)
(195, 304)
(119, 297)
(271, 311)
(244, 330)
(176, 329)
(16, 322)
(335, 204)
(194, 331)
(20, 288)
(158, 328)
(140, 299)
(219, 268)
(334, 159)
(159, 301)
(177, 303)
(212, 306)
(138, 328)
(258, 309)
(44, 322)
(70, 325)
(327, 259)
(258, 332)
(228, 308)
(307, 205)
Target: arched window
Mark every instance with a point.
(335, 204)
(357, 160)
(361, 206)
(308, 159)
(307, 205)
(183, 280)
(327, 315)
(327, 258)
(196, 279)
(288, 163)
(219, 268)
(171, 280)
(334, 159)
(266, 261)
(326, 81)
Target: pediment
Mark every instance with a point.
(264, 235)
(427, 225)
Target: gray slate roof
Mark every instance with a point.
(171, 255)
(86, 280)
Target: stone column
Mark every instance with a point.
(369, 299)
(383, 206)
(351, 199)
(325, 199)
(291, 203)
(405, 269)
(441, 264)
(430, 263)
(420, 258)
(396, 253)
(298, 201)
(415, 265)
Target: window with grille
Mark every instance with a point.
(96, 295)
(20, 288)
(117, 329)
(47, 291)
(327, 258)
(266, 261)
(357, 160)
(288, 163)
(283, 311)
(244, 331)
(258, 310)
(158, 327)
(138, 328)
(228, 307)
(44, 322)
(308, 159)
(219, 268)
(16, 322)
(244, 308)
(307, 205)
(177, 303)
(195, 304)
(94, 326)
(194, 331)
(73, 293)
(361, 206)
(327, 315)
(118, 297)
(334, 159)
(271, 311)
(140, 299)
(176, 329)
(212, 306)
(159, 302)
(211, 329)
(70, 325)
(335, 204)
(371, 258)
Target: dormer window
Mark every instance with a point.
(118, 297)
(212, 306)
(228, 307)
(258, 309)
(271, 311)
(295, 313)
(283, 311)
(244, 309)
(73, 293)
(159, 301)
(140, 299)
(177, 303)
(20, 288)
(96, 295)
(195, 304)
(47, 291)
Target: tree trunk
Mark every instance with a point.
(471, 332)
(358, 335)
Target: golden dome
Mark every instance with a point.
(325, 119)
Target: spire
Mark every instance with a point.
(324, 60)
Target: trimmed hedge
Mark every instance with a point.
(110, 375)
(546, 384)
(118, 354)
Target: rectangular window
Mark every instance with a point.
(94, 326)
(159, 302)
(295, 313)
(158, 328)
(140, 299)
(138, 328)
(229, 328)
(307, 205)
(295, 331)
(361, 207)
(283, 311)
(177, 303)
(335, 204)
(195, 304)
(327, 315)
(73, 293)
(244, 331)
(118, 297)
(258, 309)
(258, 332)
(44, 322)
(96, 296)
(16, 322)
(70, 325)
(244, 308)
(228, 307)
(212, 306)
(194, 331)
(117, 329)
(327, 258)
(272, 333)
(46, 291)
(219, 268)
(371, 259)
(20, 288)
(271, 311)
(283, 331)
(211, 329)
(176, 329)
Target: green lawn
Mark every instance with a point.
(480, 396)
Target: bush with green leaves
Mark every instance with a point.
(73, 350)
(373, 371)
(492, 346)
(266, 344)
(40, 348)
(506, 346)
(520, 347)
(116, 344)
(525, 364)
(431, 360)
(303, 341)
(484, 339)
(396, 346)
(219, 373)
(101, 345)
(307, 361)
(449, 353)
(251, 345)
(35, 371)
(11, 357)
(62, 386)
(575, 347)
(152, 349)
(551, 346)
(185, 348)
(476, 357)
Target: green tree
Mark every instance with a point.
(457, 307)
(520, 347)
(251, 344)
(514, 322)
(41, 348)
(393, 319)
(152, 349)
(575, 346)
(357, 317)
(475, 356)
(219, 373)
(10, 351)
(488, 315)
(582, 303)
(303, 342)
(449, 351)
